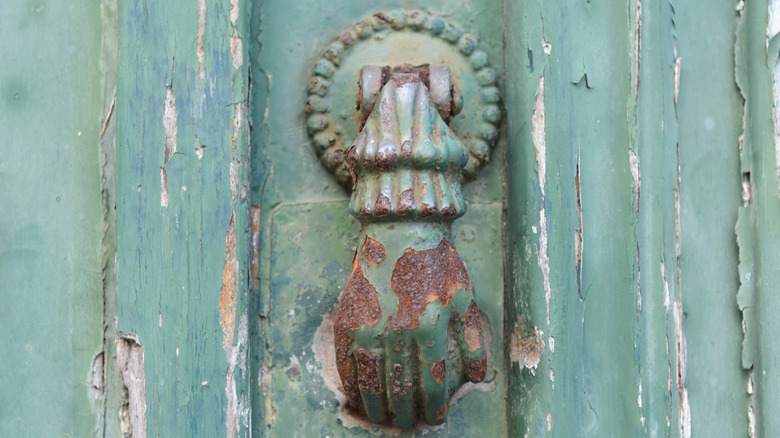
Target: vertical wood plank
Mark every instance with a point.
(51, 295)
(758, 225)
(709, 110)
(182, 215)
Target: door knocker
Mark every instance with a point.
(407, 331)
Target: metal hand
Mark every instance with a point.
(405, 349)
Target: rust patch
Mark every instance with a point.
(448, 211)
(386, 159)
(438, 371)
(477, 370)
(406, 202)
(420, 277)
(358, 305)
(368, 372)
(352, 162)
(398, 390)
(382, 206)
(473, 330)
(442, 412)
(228, 294)
(373, 251)
(427, 210)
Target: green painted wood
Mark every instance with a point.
(51, 219)
(570, 176)
(621, 308)
(660, 339)
(709, 111)
(758, 226)
(182, 215)
(667, 79)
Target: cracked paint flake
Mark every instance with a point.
(228, 294)
(636, 175)
(676, 77)
(526, 351)
(201, 32)
(685, 409)
(577, 233)
(637, 48)
(773, 29)
(130, 361)
(169, 122)
(163, 188)
(538, 134)
(228, 305)
(169, 146)
(235, 164)
(97, 376)
(236, 45)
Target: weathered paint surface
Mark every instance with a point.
(624, 187)
(573, 248)
(51, 219)
(182, 212)
(758, 226)
(621, 215)
(709, 114)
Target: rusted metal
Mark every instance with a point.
(421, 277)
(472, 331)
(406, 164)
(368, 371)
(358, 306)
(477, 370)
(373, 251)
(438, 371)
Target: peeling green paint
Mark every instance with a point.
(182, 210)
(623, 192)
(758, 226)
(578, 186)
(612, 181)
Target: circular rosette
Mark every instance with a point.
(393, 39)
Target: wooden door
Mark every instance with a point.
(622, 237)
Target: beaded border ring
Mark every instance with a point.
(326, 133)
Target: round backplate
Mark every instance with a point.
(392, 39)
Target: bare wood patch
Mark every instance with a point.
(228, 294)
(201, 32)
(132, 411)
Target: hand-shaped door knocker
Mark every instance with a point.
(408, 330)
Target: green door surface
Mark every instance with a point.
(172, 250)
